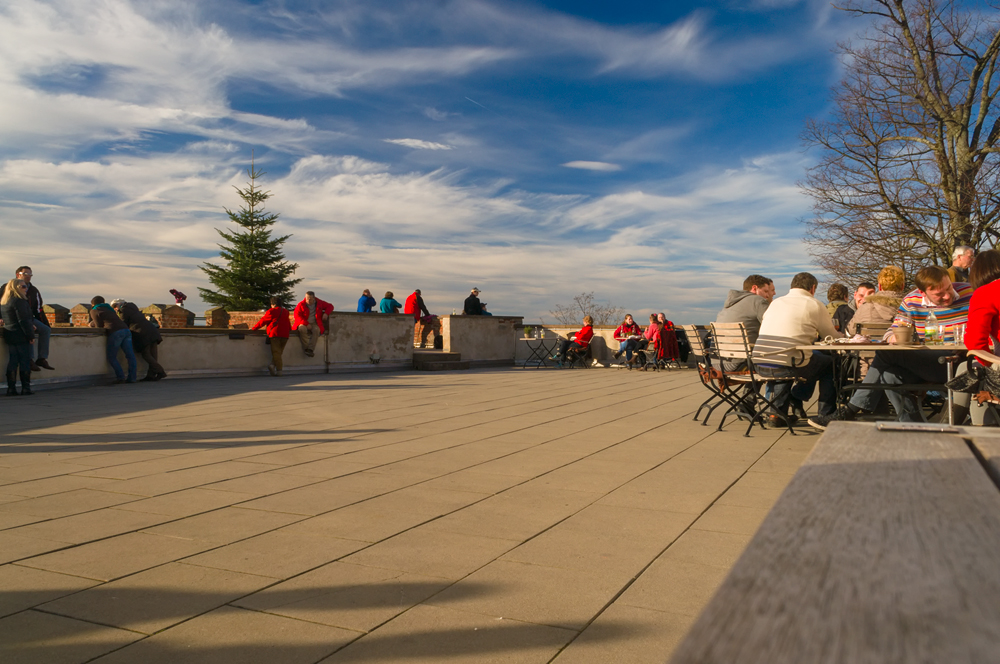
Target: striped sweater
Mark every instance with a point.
(916, 307)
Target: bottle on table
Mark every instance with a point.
(932, 331)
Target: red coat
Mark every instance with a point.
(276, 319)
(302, 313)
(623, 331)
(414, 305)
(584, 336)
(984, 316)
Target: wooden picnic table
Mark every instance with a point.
(883, 548)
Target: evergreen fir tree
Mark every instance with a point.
(256, 268)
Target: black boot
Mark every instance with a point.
(26, 384)
(12, 385)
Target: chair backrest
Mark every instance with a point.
(778, 351)
(696, 337)
(730, 340)
(873, 330)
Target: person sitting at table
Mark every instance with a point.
(800, 319)
(578, 344)
(747, 306)
(837, 307)
(983, 325)
(628, 335)
(880, 307)
(864, 289)
(950, 304)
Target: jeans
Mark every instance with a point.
(42, 334)
(19, 357)
(818, 370)
(630, 345)
(122, 339)
(918, 366)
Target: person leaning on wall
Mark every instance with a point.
(19, 333)
(278, 330)
(145, 337)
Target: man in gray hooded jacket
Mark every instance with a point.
(747, 306)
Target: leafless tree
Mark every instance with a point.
(909, 166)
(584, 305)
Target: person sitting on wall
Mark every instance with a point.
(145, 337)
(473, 307)
(119, 337)
(312, 316)
(578, 344)
(366, 302)
(388, 305)
(278, 330)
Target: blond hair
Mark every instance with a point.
(892, 278)
(12, 290)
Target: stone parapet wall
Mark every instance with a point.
(482, 339)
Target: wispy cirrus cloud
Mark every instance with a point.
(418, 144)
(593, 166)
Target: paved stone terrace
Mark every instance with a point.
(488, 516)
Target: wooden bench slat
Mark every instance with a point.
(883, 548)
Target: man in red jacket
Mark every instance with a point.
(312, 316)
(278, 329)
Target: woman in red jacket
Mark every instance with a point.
(984, 321)
(579, 342)
(278, 329)
(628, 335)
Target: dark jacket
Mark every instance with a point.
(365, 304)
(144, 333)
(35, 302)
(18, 327)
(104, 316)
(473, 306)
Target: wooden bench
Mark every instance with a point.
(883, 548)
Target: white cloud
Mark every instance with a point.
(418, 144)
(593, 165)
(135, 227)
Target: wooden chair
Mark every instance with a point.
(709, 369)
(747, 390)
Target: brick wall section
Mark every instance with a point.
(79, 315)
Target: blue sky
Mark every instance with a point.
(648, 152)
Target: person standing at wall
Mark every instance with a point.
(145, 337)
(366, 302)
(278, 330)
(119, 337)
(19, 333)
(312, 317)
(40, 322)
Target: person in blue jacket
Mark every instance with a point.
(366, 302)
(389, 305)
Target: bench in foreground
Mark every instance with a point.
(883, 548)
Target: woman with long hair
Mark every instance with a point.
(628, 335)
(19, 333)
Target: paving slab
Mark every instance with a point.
(483, 516)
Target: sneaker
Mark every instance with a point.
(595, 363)
(273, 370)
(843, 414)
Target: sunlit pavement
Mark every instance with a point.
(488, 516)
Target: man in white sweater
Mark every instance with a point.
(800, 319)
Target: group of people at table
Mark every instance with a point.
(963, 297)
(659, 336)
